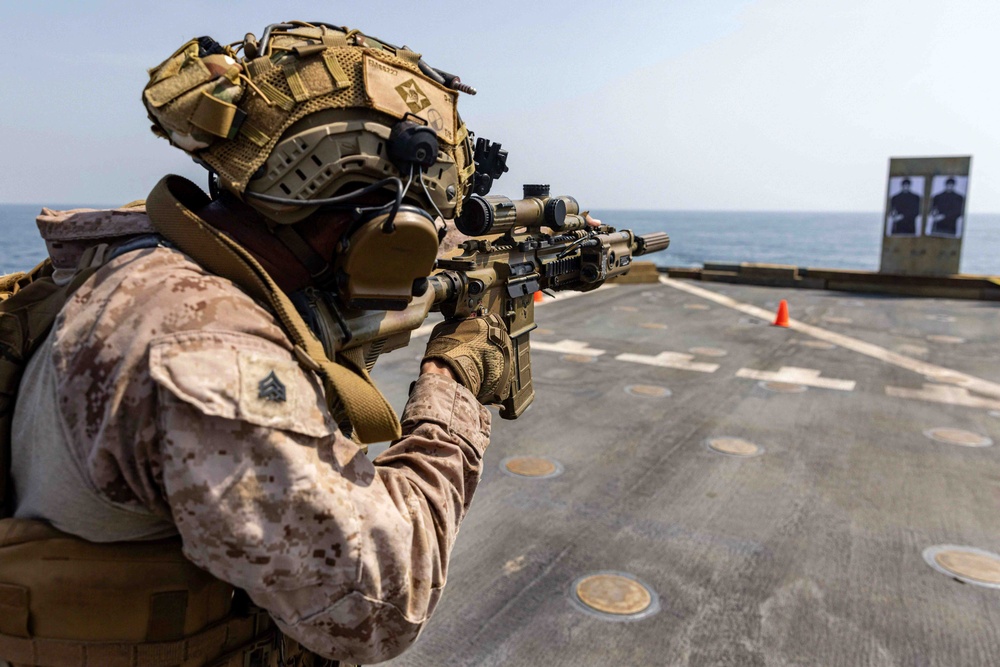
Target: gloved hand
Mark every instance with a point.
(478, 351)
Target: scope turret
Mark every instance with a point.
(536, 190)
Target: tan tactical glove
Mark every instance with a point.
(478, 351)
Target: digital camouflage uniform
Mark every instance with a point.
(154, 372)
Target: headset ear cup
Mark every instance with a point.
(412, 144)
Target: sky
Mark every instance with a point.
(682, 105)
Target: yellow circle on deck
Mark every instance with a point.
(696, 306)
(530, 466)
(783, 387)
(734, 446)
(970, 565)
(653, 325)
(957, 436)
(614, 594)
(647, 390)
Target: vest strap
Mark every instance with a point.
(170, 207)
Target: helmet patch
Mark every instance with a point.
(394, 90)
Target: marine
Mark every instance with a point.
(188, 483)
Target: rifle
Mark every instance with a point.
(518, 248)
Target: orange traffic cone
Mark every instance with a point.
(782, 319)
(538, 296)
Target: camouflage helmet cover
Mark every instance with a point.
(306, 114)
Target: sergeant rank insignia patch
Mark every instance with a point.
(271, 389)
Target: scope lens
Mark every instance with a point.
(555, 213)
(476, 218)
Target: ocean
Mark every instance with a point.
(827, 240)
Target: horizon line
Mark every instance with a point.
(57, 205)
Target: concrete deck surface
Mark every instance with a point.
(809, 554)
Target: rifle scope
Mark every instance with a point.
(496, 214)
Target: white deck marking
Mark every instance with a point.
(676, 360)
(936, 393)
(948, 340)
(970, 382)
(567, 347)
(795, 375)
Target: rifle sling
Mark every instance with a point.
(171, 206)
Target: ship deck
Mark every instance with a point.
(814, 551)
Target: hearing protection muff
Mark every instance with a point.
(390, 246)
(385, 259)
(390, 251)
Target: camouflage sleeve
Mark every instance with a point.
(348, 556)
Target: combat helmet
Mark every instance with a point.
(314, 114)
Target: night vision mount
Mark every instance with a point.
(491, 164)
